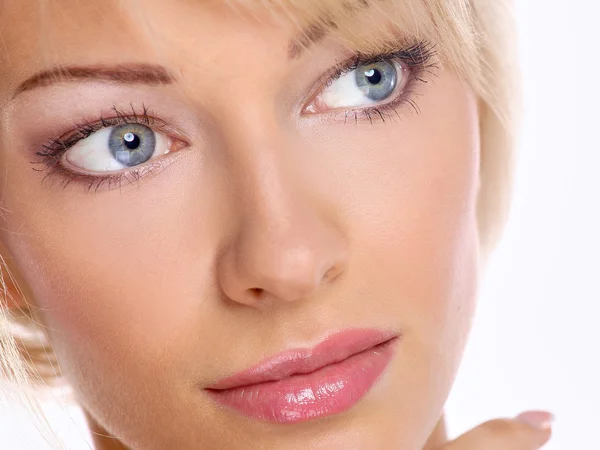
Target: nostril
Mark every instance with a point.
(256, 292)
(333, 273)
(330, 274)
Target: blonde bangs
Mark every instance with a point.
(378, 26)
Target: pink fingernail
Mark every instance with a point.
(542, 420)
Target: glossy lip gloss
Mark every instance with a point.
(303, 384)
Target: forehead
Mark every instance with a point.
(37, 35)
(56, 30)
(36, 23)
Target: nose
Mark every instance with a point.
(284, 248)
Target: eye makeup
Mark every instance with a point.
(414, 63)
(418, 61)
(52, 156)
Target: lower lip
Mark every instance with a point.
(324, 392)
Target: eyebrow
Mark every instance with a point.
(317, 31)
(147, 74)
(150, 74)
(313, 34)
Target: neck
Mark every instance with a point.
(104, 441)
(101, 438)
(439, 436)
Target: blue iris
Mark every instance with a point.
(132, 144)
(377, 80)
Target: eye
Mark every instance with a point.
(117, 148)
(367, 84)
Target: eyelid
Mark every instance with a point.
(58, 146)
(326, 79)
(406, 79)
(110, 180)
(86, 129)
(53, 154)
(416, 58)
(173, 145)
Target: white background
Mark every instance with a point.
(535, 340)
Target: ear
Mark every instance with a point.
(14, 292)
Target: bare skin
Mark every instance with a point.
(266, 226)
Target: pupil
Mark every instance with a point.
(377, 81)
(131, 141)
(374, 76)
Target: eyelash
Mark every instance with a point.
(418, 59)
(52, 153)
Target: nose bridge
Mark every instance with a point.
(284, 246)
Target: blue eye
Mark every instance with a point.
(376, 81)
(366, 85)
(132, 144)
(117, 148)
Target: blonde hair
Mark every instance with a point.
(473, 37)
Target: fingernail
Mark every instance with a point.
(542, 420)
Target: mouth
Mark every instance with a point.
(304, 384)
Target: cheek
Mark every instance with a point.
(409, 196)
(425, 230)
(412, 210)
(106, 296)
(429, 246)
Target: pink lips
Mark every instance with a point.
(302, 384)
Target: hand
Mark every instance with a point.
(528, 431)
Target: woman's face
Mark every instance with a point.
(192, 197)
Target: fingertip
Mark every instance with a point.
(540, 420)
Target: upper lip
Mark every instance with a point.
(334, 348)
